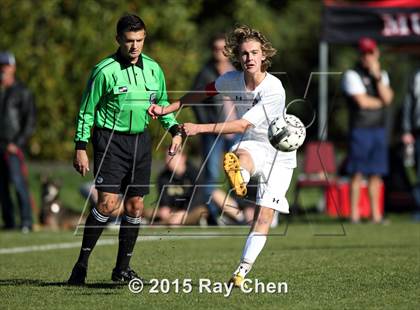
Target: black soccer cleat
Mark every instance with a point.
(125, 275)
(78, 275)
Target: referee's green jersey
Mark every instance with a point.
(118, 95)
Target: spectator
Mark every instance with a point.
(215, 109)
(368, 92)
(411, 131)
(17, 123)
(238, 210)
(180, 202)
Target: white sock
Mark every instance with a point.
(253, 246)
(245, 175)
(275, 221)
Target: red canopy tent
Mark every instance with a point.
(395, 22)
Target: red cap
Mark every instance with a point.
(367, 45)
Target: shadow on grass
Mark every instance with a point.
(34, 282)
(99, 285)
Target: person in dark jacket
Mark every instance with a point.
(17, 123)
(411, 131)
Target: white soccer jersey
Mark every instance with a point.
(259, 107)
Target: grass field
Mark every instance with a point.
(325, 265)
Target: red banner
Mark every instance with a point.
(387, 21)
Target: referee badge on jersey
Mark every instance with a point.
(122, 89)
(152, 98)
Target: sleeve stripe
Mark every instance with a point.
(88, 96)
(84, 112)
(115, 118)
(102, 68)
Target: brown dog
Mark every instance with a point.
(53, 215)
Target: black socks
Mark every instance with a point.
(94, 226)
(129, 231)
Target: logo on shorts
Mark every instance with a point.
(99, 180)
(152, 98)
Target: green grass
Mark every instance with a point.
(350, 266)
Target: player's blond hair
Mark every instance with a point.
(242, 34)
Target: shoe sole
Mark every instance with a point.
(233, 172)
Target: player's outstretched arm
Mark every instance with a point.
(236, 126)
(189, 98)
(156, 110)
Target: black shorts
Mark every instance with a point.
(122, 162)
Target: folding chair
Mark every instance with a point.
(319, 168)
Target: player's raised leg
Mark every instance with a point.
(95, 224)
(271, 197)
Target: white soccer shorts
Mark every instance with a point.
(273, 177)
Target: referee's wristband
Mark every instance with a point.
(80, 145)
(175, 130)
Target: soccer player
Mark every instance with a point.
(115, 101)
(259, 98)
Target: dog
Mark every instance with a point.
(53, 214)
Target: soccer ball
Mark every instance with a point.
(286, 133)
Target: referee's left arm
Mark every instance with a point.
(85, 120)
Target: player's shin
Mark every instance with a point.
(253, 247)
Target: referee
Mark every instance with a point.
(115, 102)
